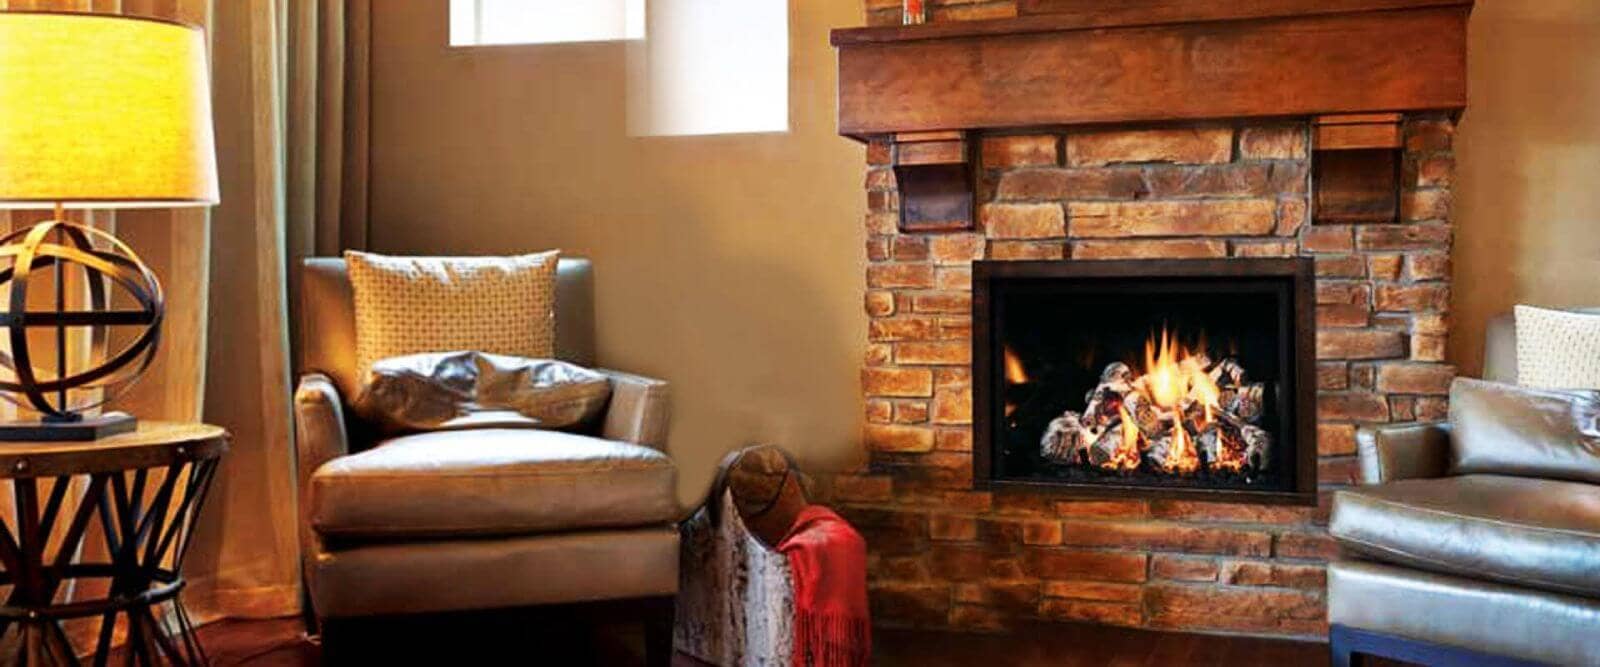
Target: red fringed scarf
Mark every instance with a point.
(828, 559)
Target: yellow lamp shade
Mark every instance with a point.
(100, 111)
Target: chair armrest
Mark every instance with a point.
(320, 436)
(639, 411)
(1410, 451)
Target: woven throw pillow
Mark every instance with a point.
(455, 390)
(1557, 349)
(411, 305)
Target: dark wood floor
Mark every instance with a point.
(282, 643)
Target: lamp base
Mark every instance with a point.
(88, 428)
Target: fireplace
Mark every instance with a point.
(1163, 378)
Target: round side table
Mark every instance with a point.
(144, 489)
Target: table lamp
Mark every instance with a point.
(96, 111)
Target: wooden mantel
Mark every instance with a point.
(1068, 62)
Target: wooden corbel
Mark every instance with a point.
(1356, 161)
(933, 171)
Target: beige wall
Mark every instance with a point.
(1528, 195)
(729, 265)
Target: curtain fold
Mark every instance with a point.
(289, 84)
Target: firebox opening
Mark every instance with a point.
(1127, 381)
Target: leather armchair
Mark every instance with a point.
(1452, 561)
(487, 518)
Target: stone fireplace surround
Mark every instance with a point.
(944, 555)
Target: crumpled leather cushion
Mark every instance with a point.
(491, 482)
(452, 390)
(1510, 430)
(1530, 532)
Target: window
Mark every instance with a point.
(486, 22)
(695, 67)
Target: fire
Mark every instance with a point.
(1015, 374)
(1175, 376)
(1126, 457)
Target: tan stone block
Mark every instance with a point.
(1150, 249)
(946, 378)
(907, 248)
(1413, 298)
(879, 303)
(1038, 532)
(879, 179)
(1253, 573)
(882, 224)
(1265, 248)
(1344, 471)
(1425, 236)
(1403, 408)
(1054, 184)
(953, 278)
(956, 248)
(879, 411)
(911, 412)
(1026, 250)
(934, 354)
(912, 276)
(953, 440)
(952, 406)
(1360, 344)
(1427, 347)
(1430, 323)
(1205, 145)
(1432, 408)
(1084, 564)
(1336, 439)
(878, 248)
(1023, 221)
(1292, 216)
(1170, 599)
(1182, 568)
(950, 528)
(1305, 545)
(1223, 180)
(1353, 406)
(1019, 151)
(878, 152)
(1186, 510)
(1102, 509)
(1326, 238)
(1384, 267)
(1332, 375)
(1273, 142)
(1423, 136)
(897, 438)
(1103, 613)
(1166, 537)
(1341, 266)
(1223, 217)
(1344, 292)
(883, 201)
(1093, 590)
(1405, 378)
(1363, 376)
(1428, 265)
(942, 302)
(1435, 171)
(910, 327)
(1343, 315)
(980, 12)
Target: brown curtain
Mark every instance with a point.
(289, 97)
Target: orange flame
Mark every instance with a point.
(1126, 457)
(1181, 454)
(1015, 374)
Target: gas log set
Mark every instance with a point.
(1183, 415)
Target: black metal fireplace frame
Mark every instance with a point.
(1300, 337)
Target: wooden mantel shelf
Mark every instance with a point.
(1069, 62)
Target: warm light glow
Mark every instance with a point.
(1126, 457)
(1174, 377)
(103, 112)
(1015, 374)
(1182, 457)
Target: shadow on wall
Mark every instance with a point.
(1527, 206)
(728, 265)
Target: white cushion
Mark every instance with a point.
(1557, 349)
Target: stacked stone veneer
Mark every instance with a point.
(942, 554)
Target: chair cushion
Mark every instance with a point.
(1530, 532)
(491, 482)
(1504, 429)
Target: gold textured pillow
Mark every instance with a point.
(411, 305)
(1557, 349)
(455, 390)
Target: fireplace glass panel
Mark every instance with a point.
(1173, 382)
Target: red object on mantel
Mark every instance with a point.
(913, 12)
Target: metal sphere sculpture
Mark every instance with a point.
(101, 261)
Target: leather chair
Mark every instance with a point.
(1448, 568)
(483, 519)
